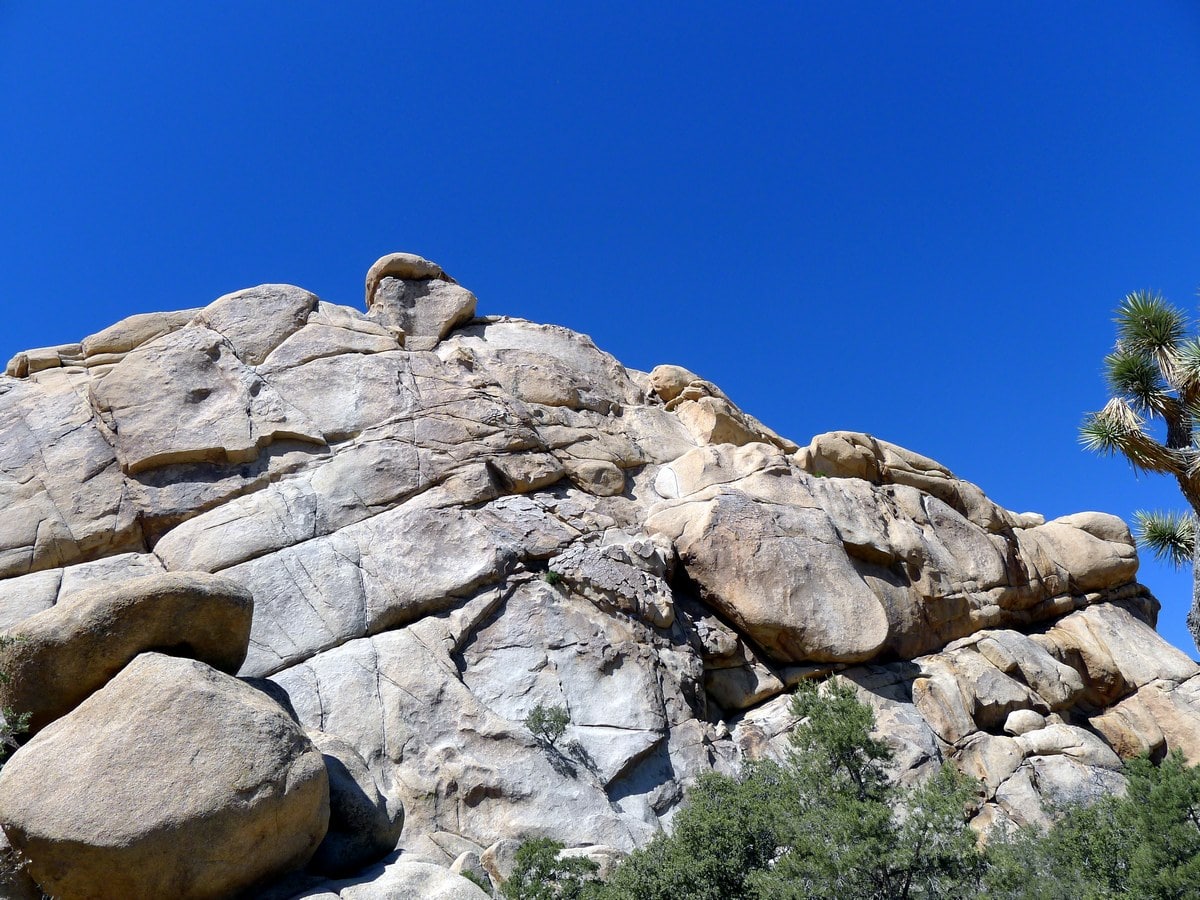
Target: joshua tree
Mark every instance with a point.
(1154, 374)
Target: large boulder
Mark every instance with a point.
(60, 656)
(257, 320)
(755, 562)
(174, 780)
(414, 296)
(364, 823)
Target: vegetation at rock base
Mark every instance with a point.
(831, 822)
(547, 723)
(1154, 374)
(540, 874)
(13, 724)
(478, 881)
(1143, 845)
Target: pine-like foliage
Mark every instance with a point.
(831, 822)
(1143, 846)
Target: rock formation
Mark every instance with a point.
(406, 528)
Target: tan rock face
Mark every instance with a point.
(257, 320)
(64, 654)
(406, 266)
(173, 781)
(416, 298)
(61, 487)
(835, 569)
(445, 521)
(743, 553)
(188, 398)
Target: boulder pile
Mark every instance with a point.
(282, 577)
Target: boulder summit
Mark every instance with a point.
(284, 580)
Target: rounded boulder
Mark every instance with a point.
(62, 655)
(174, 780)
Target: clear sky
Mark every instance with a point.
(909, 219)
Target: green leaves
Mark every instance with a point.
(539, 873)
(830, 823)
(1148, 324)
(13, 724)
(833, 741)
(547, 723)
(1170, 536)
(1154, 371)
(1143, 846)
(1136, 377)
(1118, 428)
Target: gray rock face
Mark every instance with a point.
(445, 521)
(171, 761)
(396, 878)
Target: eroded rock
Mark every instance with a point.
(398, 487)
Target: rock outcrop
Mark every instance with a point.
(442, 521)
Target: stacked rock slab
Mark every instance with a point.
(445, 520)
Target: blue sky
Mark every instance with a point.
(913, 220)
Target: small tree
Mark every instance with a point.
(1143, 846)
(547, 723)
(829, 823)
(539, 873)
(1154, 374)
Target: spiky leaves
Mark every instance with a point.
(1119, 429)
(1147, 323)
(1170, 536)
(1136, 378)
(1154, 372)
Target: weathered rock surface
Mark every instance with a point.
(62, 655)
(399, 878)
(445, 521)
(174, 780)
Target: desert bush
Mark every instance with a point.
(13, 724)
(539, 873)
(547, 723)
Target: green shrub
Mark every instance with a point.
(1145, 845)
(539, 873)
(832, 822)
(829, 823)
(12, 723)
(481, 883)
(547, 723)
